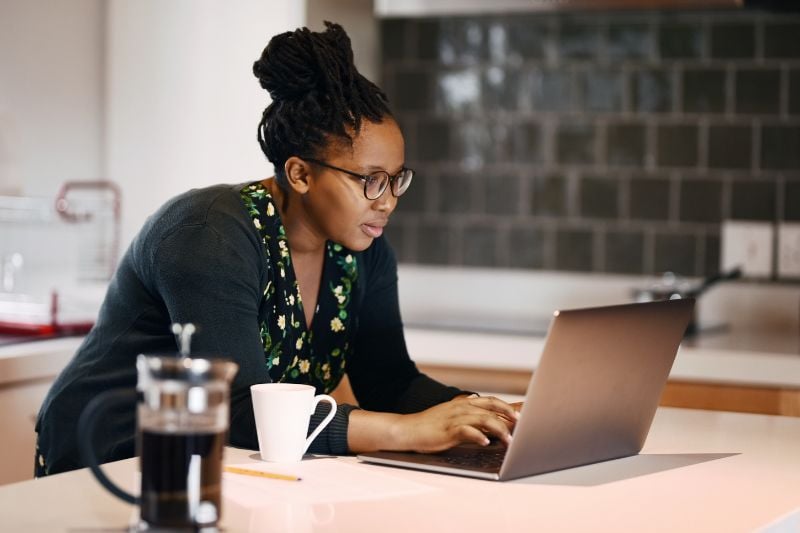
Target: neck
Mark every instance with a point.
(303, 237)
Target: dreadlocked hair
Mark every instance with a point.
(316, 92)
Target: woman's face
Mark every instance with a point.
(335, 201)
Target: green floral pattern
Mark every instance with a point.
(293, 353)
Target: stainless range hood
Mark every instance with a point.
(421, 8)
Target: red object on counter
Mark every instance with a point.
(41, 329)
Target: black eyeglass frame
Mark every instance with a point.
(367, 177)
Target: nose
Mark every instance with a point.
(386, 202)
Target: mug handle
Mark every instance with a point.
(325, 421)
(86, 429)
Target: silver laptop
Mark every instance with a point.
(592, 398)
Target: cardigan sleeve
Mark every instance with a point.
(382, 375)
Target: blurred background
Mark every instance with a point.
(608, 141)
(568, 153)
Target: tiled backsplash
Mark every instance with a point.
(596, 142)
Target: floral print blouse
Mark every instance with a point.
(294, 353)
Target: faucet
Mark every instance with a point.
(10, 266)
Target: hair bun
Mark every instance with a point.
(295, 63)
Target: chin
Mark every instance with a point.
(357, 243)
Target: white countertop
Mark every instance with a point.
(522, 352)
(700, 471)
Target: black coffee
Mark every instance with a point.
(171, 463)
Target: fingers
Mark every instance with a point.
(490, 403)
(488, 424)
(471, 434)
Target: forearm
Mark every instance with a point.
(369, 431)
(465, 419)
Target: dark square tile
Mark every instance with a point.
(427, 39)
(417, 196)
(730, 146)
(677, 146)
(791, 198)
(475, 144)
(524, 35)
(394, 39)
(574, 250)
(433, 140)
(548, 195)
(395, 234)
(527, 245)
(712, 254)
(704, 91)
(649, 199)
(600, 90)
(794, 92)
(675, 252)
(651, 90)
(599, 198)
(780, 147)
(781, 40)
(501, 194)
(754, 200)
(733, 40)
(433, 243)
(680, 41)
(479, 245)
(700, 201)
(454, 193)
(624, 252)
(630, 41)
(501, 89)
(551, 90)
(458, 91)
(412, 90)
(758, 91)
(462, 40)
(575, 143)
(527, 144)
(625, 144)
(579, 41)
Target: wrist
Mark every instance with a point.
(399, 435)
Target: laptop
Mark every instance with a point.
(592, 398)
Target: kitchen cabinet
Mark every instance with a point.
(26, 373)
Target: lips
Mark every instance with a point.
(374, 229)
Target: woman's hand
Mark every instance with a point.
(464, 419)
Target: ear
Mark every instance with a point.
(298, 174)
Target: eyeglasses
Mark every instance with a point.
(375, 184)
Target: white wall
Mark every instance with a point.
(182, 102)
(51, 93)
(359, 21)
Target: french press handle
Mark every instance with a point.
(87, 423)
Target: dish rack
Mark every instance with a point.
(56, 257)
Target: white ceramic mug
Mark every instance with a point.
(282, 412)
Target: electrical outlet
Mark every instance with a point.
(789, 250)
(747, 245)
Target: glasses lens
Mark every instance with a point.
(376, 184)
(402, 181)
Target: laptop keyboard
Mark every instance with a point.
(483, 459)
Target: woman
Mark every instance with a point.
(289, 276)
